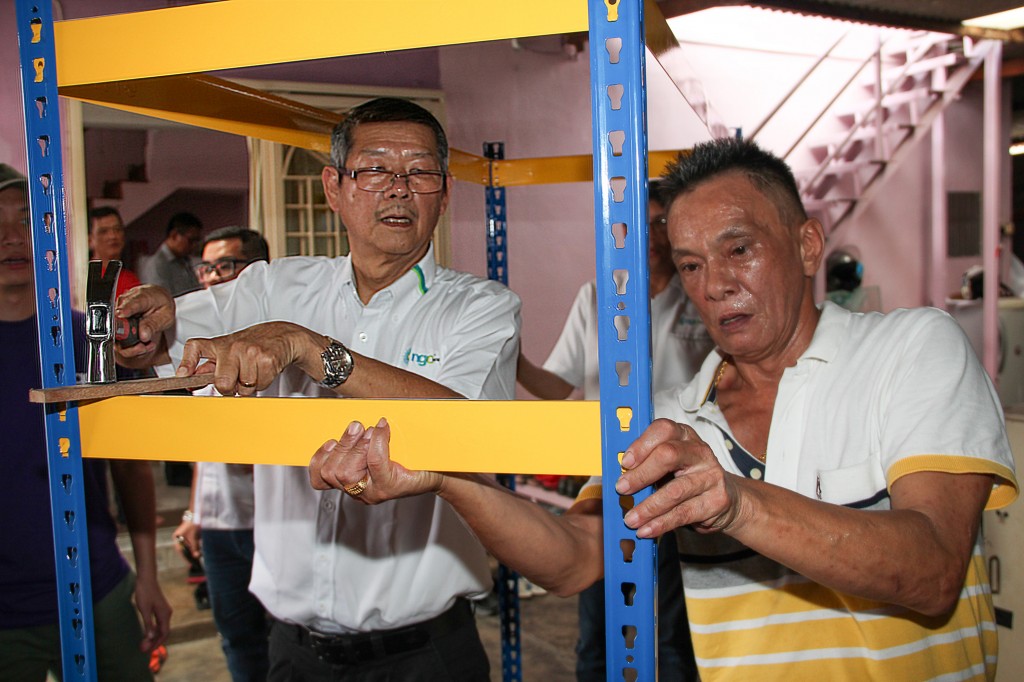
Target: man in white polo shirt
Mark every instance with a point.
(825, 471)
(358, 592)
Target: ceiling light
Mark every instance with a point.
(1017, 148)
(1008, 20)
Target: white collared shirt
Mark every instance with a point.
(323, 559)
(873, 398)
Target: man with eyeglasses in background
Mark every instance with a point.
(227, 251)
(357, 592)
(218, 525)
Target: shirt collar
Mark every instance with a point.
(825, 344)
(414, 283)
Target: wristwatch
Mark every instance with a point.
(338, 364)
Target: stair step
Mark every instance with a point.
(824, 204)
(926, 65)
(862, 134)
(837, 168)
(902, 44)
(889, 102)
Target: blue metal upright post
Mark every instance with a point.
(618, 100)
(56, 352)
(497, 269)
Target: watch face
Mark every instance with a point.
(338, 364)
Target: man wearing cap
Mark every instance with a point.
(29, 631)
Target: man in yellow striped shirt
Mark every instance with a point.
(826, 471)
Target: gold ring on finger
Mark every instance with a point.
(356, 489)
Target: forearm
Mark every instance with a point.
(897, 556)
(561, 553)
(540, 382)
(133, 481)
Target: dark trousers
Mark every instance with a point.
(675, 650)
(240, 618)
(445, 649)
(27, 654)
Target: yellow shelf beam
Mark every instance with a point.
(553, 169)
(216, 104)
(240, 33)
(103, 77)
(515, 436)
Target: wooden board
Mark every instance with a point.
(62, 394)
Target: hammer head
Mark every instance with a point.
(99, 320)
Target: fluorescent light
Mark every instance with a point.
(1010, 19)
(1017, 148)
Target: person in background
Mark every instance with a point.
(219, 524)
(825, 472)
(30, 644)
(679, 343)
(171, 266)
(106, 243)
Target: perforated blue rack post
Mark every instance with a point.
(497, 269)
(56, 352)
(618, 99)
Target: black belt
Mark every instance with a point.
(377, 644)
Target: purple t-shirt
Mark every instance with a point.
(27, 574)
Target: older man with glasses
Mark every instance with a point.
(356, 592)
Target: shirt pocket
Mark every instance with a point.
(860, 486)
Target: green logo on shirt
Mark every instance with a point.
(420, 359)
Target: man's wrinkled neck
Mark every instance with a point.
(372, 275)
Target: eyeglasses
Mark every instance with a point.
(381, 179)
(224, 267)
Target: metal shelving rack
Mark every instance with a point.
(620, 191)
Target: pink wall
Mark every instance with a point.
(538, 103)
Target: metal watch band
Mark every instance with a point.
(338, 364)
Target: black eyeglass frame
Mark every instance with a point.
(209, 267)
(394, 177)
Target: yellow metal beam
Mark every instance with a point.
(217, 104)
(239, 33)
(515, 436)
(553, 169)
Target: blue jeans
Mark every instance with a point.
(675, 650)
(239, 616)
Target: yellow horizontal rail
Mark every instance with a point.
(553, 169)
(515, 436)
(239, 33)
(216, 104)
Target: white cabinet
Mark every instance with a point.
(1004, 550)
